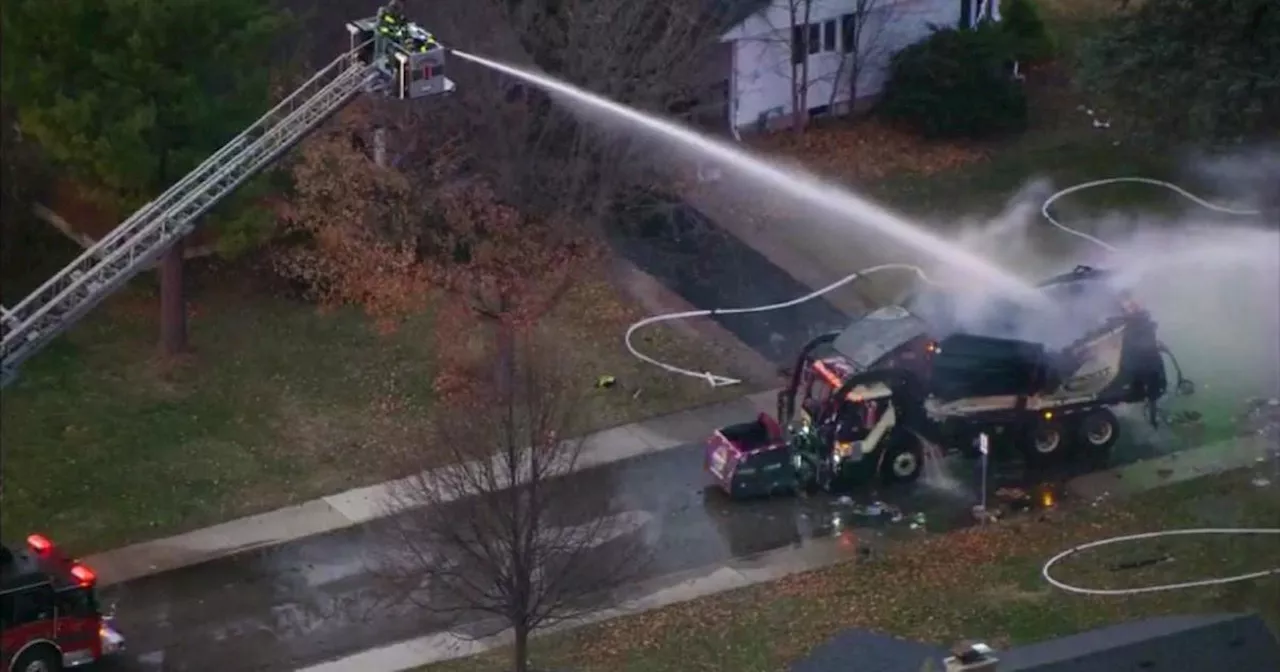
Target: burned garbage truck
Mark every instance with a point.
(938, 372)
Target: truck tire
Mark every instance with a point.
(1098, 430)
(38, 658)
(1047, 441)
(903, 459)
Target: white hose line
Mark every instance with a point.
(1168, 586)
(722, 381)
(1044, 208)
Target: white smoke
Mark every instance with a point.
(1210, 280)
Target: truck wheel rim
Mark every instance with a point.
(904, 464)
(37, 666)
(1047, 440)
(1100, 431)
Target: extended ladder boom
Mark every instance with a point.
(139, 241)
(388, 54)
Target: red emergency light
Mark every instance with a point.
(83, 575)
(39, 543)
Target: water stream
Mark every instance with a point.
(830, 198)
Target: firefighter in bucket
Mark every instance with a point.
(392, 23)
(418, 40)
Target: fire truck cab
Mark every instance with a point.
(49, 613)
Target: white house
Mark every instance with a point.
(763, 41)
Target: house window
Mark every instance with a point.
(848, 32)
(813, 38)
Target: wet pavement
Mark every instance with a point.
(320, 598)
(711, 268)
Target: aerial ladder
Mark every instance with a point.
(388, 56)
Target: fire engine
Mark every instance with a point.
(50, 617)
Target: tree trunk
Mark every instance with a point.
(505, 359)
(797, 105)
(380, 146)
(173, 302)
(520, 652)
(801, 119)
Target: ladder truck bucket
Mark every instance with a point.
(421, 74)
(412, 61)
(363, 47)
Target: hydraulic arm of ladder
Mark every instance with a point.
(141, 239)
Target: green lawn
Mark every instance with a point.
(979, 583)
(105, 446)
(984, 187)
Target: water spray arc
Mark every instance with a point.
(835, 200)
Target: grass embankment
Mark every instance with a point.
(979, 583)
(279, 403)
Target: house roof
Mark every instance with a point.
(733, 12)
(1192, 643)
(867, 651)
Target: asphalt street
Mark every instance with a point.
(324, 597)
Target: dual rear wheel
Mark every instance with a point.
(1052, 439)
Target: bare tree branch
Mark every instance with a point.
(864, 42)
(501, 532)
(538, 155)
(834, 51)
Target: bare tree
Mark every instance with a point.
(801, 39)
(537, 154)
(799, 13)
(835, 51)
(863, 42)
(500, 539)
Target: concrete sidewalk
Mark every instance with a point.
(361, 505)
(1172, 468)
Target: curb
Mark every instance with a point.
(364, 504)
